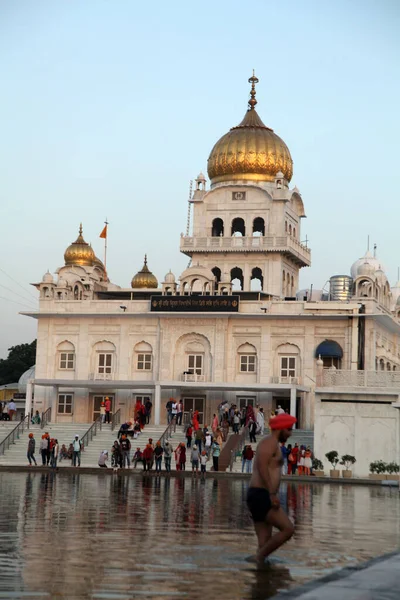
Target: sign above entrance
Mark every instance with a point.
(194, 303)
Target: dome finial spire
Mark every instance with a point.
(252, 102)
(145, 260)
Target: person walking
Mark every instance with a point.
(208, 442)
(295, 455)
(103, 411)
(199, 438)
(285, 455)
(43, 449)
(168, 406)
(107, 404)
(77, 446)
(55, 450)
(125, 446)
(174, 411)
(179, 414)
(214, 424)
(158, 454)
(12, 409)
(189, 433)
(248, 457)
(31, 450)
(103, 458)
(195, 457)
(252, 431)
(116, 455)
(236, 422)
(215, 451)
(167, 456)
(182, 457)
(262, 494)
(177, 453)
(148, 458)
(148, 406)
(203, 464)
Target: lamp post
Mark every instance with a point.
(397, 405)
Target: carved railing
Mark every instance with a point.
(368, 379)
(46, 418)
(92, 431)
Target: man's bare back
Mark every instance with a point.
(262, 495)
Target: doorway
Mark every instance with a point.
(243, 402)
(192, 404)
(97, 400)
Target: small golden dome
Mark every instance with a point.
(79, 252)
(144, 278)
(249, 151)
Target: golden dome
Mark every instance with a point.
(144, 278)
(79, 252)
(249, 151)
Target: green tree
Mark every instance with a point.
(19, 359)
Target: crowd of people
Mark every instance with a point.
(7, 410)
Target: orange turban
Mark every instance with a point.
(283, 421)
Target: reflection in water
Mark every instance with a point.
(86, 536)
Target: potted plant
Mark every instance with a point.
(347, 461)
(318, 468)
(377, 470)
(393, 470)
(333, 458)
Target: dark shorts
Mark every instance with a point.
(195, 464)
(203, 468)
(259, 503)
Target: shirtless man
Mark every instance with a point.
(262, 495)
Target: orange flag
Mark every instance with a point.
(104, 233)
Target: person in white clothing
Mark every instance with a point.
(203, 464)
(280, 410)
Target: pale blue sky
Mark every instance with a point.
(109, 108)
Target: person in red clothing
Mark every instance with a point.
(182, 457)
(248, 456)
(196, 420)
(189, 434)
(295, 453)
(107, 403)
(148, 457)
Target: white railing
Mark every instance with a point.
(367, 379)
(101, 376)
(269, 242)
(291, 380)
(193, 377)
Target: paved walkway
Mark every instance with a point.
(378, 579)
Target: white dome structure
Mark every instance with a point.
(367, 258)
(25, 377)
(366, 269)
(48, 278)
(170, 277)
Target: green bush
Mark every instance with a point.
(379, 467)
(392, 468)
(317, 465)
(333, 458)
(347, 461)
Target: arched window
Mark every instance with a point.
(143, 357)
(287, 362)
(66, 356)
(217, 273)
(238, 227)
(237, 278)
(256, 280)
(287, 284)
(196, 286)
(290, 230)
(185, 288)
(247, 358)
(217, 228)
(294, 232)
(394, 368)
(258, 226)
(285, 226)
(283, 282)
(104, 360)
(76, 293)
(292, 290)
(331, 353)
(388, 366)
(382, 364)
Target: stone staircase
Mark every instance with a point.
(6, 427)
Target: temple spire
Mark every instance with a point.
(252, 102)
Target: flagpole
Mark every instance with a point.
(105, 246)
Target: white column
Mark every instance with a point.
(293, 393)
(157, 403)
(28, 400)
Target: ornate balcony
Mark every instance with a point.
(270, 243)
(331, 378)
(193, 377)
